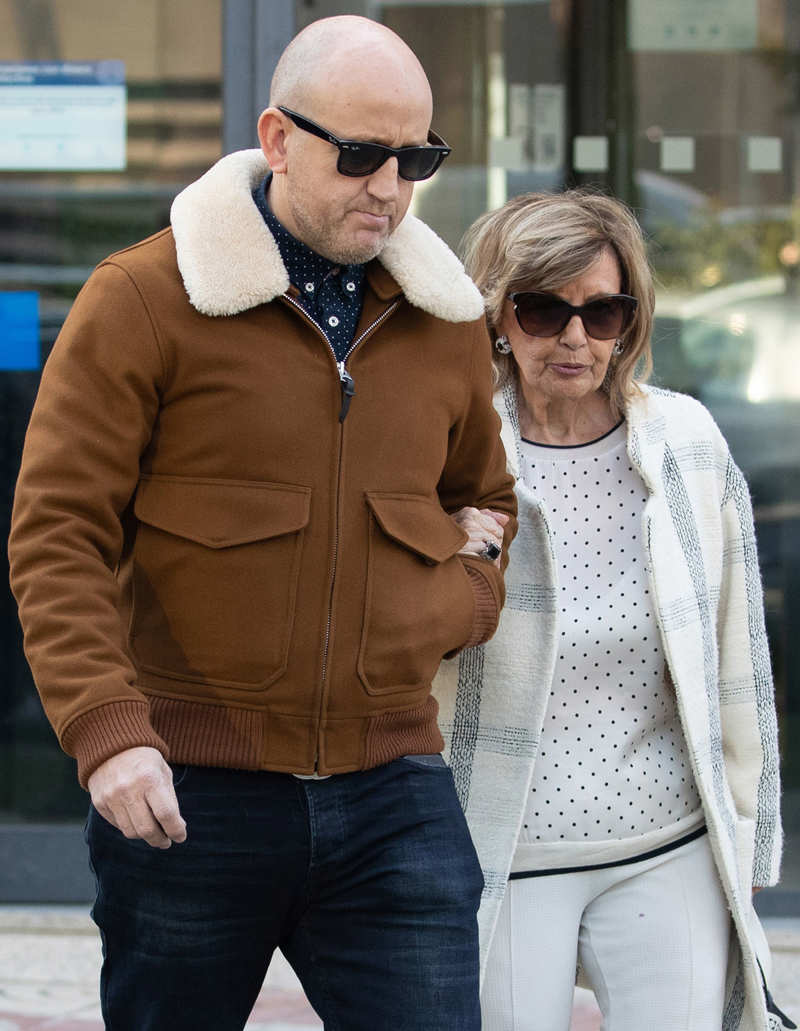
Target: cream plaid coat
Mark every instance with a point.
(702, 563)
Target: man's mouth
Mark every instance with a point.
(379, 218)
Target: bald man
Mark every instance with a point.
(237, 567)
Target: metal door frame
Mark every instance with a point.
(254, 34)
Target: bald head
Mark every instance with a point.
(335, 52)
(359, 81)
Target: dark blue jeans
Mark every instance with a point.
(368, 882)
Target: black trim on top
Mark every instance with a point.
(567, 447)
(518, 875)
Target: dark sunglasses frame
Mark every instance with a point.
(585, 313)
(406, 156)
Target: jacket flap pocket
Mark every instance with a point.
(222, 513)
(418, 523)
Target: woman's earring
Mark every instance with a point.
(502, 345)
(618, 348)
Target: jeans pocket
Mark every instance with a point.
(434, 761)
(180, 771)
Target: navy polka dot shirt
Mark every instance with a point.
(332, 294)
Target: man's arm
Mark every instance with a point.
(93, 418)
(475, 478)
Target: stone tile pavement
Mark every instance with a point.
(50, 961)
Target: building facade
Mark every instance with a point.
(689, 112)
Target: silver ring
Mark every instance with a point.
(490, 552)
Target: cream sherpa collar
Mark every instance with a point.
(230, 262)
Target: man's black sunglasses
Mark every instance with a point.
(546, 315)
(357, 158)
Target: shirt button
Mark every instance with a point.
(333, 321)
(350, 286)
(310, 288)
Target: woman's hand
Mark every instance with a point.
(484, 527)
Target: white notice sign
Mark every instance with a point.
(62, 116)
(692, 24)
(536, 117)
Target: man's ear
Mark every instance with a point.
(272, 137)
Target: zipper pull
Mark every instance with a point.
(348, 390)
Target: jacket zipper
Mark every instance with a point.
(348, 392)
(345, 379)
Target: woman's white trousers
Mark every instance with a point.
(651, 938)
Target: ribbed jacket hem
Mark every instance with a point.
(413, 732)
(211, 735)
(248, 739)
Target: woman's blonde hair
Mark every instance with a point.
(541, 241)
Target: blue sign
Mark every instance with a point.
(19, 329)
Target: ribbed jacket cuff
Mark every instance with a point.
(487, 605)
(106, 731)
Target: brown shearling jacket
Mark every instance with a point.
(207, 558)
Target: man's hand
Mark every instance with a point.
(133, 791)
(483, 526)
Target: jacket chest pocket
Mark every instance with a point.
(418, 603)
(216, 566)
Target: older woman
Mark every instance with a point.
(631, 661)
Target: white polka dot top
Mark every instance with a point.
(612, 760)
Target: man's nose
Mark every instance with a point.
(384, 182)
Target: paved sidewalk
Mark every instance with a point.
(50, 961)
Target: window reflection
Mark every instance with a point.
(57, 226)
(697, 133)
(695, 125)
(54, 227)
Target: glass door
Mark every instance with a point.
(106, 111)
(690, 113)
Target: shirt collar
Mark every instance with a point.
(302, 263)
